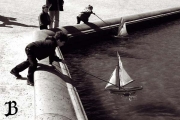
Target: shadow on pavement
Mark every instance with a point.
(52, 69)
(22, 78)
(12, 21)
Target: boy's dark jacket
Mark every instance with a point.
(55, 4)
(85, 15)
(44, 48)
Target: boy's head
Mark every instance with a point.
(90, 7)
(45, 8)
(61, 38)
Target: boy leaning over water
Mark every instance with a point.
(39, 50)
(85, 14)
(44, 18)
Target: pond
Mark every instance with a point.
(152, 59)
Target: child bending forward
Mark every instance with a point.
(85, 14)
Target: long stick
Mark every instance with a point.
(104, 22)
(95, 76)
(101, 19)
(99, 78)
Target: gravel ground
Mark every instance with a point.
(18, 20)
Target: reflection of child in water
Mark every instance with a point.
(85, 14)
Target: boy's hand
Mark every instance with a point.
(94, 13)
(51, 65)
(63, 61)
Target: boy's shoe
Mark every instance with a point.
(15, 73)
(30, 83)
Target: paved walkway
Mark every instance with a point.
(18, 20)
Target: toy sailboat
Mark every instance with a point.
(119, 79)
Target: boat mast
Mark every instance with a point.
(117, 72)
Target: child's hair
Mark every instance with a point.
(44, 6)
(61, 35)
(90, 7)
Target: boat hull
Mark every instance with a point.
(127, 89)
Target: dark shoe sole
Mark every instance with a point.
(18, 76)
(30, 83)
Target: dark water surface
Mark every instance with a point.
(151, 57)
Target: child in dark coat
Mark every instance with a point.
(85, 14)
(40, 50)
(44, 18)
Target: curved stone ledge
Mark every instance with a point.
(131, 19)
(81, 34)
(51, 116)
(55, 97)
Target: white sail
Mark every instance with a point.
(119, 77)
(122, 31)
(113, 82)
(124, 77)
